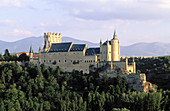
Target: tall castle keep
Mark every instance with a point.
(50, 38)
(69, 56)
(110, 50)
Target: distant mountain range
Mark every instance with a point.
(138, 49)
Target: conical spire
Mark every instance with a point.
(100, 42)
(115, 36)
(31, 51)
(39, 49)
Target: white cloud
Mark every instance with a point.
(42, 24)
(7, 22)
(15, 3)
(117, 9)
(18, 32)
(8, 3)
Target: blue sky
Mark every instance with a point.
(92, 20)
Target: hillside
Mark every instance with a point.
(138, 49)
(146, 49)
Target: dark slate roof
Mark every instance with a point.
(60, 47)
(77, 47)
(105, 43)
(92, 51)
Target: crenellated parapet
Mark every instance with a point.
(50, 38)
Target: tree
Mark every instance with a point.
(2, 106)
(23, 57)
(2, 57)
(6, 54)
(138, 71)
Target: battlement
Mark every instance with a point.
(52, 34)
(50, 38)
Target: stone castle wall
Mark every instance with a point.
(68, 61)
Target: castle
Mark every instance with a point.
(69, 56)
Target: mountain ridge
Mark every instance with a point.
(137, 49)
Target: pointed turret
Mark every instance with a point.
(107, 42)
(31, 51)
(39, 49)
(115, 48)
(115, 35)
(134, 65)
(100, 42)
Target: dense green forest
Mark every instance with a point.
(157, 65)
(32, 89)
(157, 70)
(9, 57)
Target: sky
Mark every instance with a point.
(93, 20)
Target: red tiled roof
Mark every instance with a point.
(22, 52)
(36, 55)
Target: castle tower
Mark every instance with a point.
(115, 48)
(107, 51)
(134, 66)
(46, 46)
(126, 63)
(39, 50)
(50, 38)
(100, 42)
(31, 53)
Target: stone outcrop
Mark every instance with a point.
(135, 81)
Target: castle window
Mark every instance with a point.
(71, 60)
(54, 63)
(94, 61)
(49, 60)
(85, 61)
(65, 61)
(44, 60)
(59, 61)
